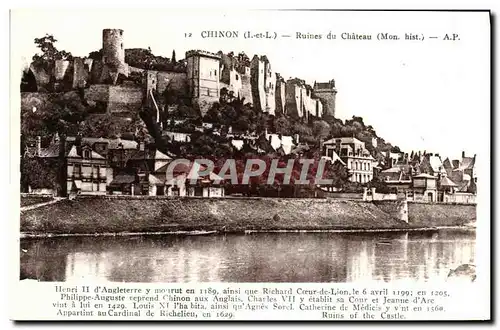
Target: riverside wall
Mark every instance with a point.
(118, 214)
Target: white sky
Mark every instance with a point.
(432, 95)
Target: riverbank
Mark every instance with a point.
(125, 215)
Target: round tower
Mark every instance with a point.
(112, 47)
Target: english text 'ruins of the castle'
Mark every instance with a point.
(202, 78)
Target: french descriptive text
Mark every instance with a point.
(303, 35)
(233, 303)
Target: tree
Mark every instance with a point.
(174, 61)
(339, 174)
(49, 53)
(321, 129)
(40, 173)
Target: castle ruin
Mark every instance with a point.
(108, 81)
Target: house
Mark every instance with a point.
(184, 181)
(76, 165)
(463, 173)
(146, 164)
(178, 136)
(424, 188)
(353, 153)
(397, 178)
(392, 158)
(86, 170)
(122, 184)
(432, 164)
(116, 151)
(210, 185)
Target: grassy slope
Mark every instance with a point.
(31, 200)
(91, 215)
(422, 215)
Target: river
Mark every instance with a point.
(262, 257)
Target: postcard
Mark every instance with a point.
(250, 165)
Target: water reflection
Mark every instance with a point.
(306, 257)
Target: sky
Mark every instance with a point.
(431, 95)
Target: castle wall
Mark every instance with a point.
(280, 98)
(81, 72)
(270, 90)
(41, 76)
(319, 108)
(124, 99)
(176, 81)
(97, 93)
(95, 72)
(303, 100)
(203, 79)
(225, 68)
(293, 97)
(309, 104)
(209, 79)
(257, 83)
(118, 98)
(151, 80)
(60, 69)
(328, 101)
(327, 93)
(246, 87)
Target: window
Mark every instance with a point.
(76, 170)
(237, 77)
(121, 45)
(86, 153)
(215, 73)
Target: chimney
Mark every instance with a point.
(38, 145)
(141, 146)
(296, 137)
(463, 154)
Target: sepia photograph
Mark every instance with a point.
(192, 146)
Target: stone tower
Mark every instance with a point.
(203, 78)
(113, 56)
(112, 47)
(327, 93)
